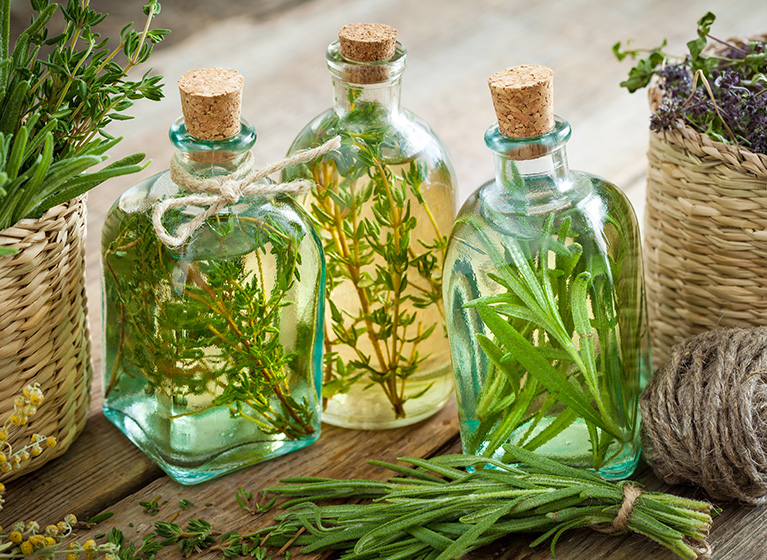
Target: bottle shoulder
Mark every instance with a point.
(402, 135)
(593, 206)
(236, 224)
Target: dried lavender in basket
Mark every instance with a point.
(719, 88)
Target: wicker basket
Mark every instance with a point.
(705, 236)
(44, 336)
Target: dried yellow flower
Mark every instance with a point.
(15, 537)
(37, 540)
(50, 442)
(52, 531)
(26, 547)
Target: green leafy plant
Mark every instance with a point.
(436, 510)
(555, 357)
(209, 328)
(720, 93)
(363, 207)
(54, 110)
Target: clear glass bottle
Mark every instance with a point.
(212, 350)
(545, 304)
(383, 204)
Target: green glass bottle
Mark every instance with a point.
(544, 297)
(212, 347)
(383, 205)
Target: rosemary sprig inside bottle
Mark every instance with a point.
(554, 342)
(437, 510)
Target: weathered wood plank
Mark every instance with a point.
(101, 466)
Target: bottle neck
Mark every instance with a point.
(531, 174)
(211, 158)
(357, 84)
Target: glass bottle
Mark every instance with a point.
(383, 204)
(212, 349)
(544, 296)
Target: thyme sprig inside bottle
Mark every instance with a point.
(383, 205)
(212, 347)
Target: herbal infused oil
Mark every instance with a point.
(212, 345)
(383, 205)
(544, 297)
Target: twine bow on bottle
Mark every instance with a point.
(216, 192)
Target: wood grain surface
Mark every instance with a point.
(453, 47)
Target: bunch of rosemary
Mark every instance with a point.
(562, 357)
(54, 110)
(437, 510)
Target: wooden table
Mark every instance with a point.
(453, 47)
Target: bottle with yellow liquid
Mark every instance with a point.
(383, 204)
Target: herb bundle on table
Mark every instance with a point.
(443, 507)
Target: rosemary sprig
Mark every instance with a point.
(443, 507)
(53, 111)
(554, 342)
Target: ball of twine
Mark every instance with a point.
(705, 415)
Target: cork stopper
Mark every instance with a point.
(211, 100)
(522, 97)
(367, 42)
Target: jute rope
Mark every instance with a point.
(631, 494)
(705, 231)
(704, 415)
(44, 326)
(216, 192)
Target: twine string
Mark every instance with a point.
(213, 194)
(631, 494)
(704, 415)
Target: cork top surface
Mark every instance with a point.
(523, 100)
(210, 82)
(211, 100)
(367, 42)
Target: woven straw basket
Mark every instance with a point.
(705, 236)
(44, 335)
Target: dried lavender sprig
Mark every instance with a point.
(444, 507)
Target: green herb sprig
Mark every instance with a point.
(53, 111)
(437, 510)
(220, 304)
